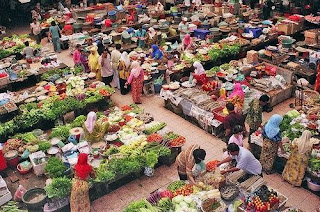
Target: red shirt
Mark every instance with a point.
(76, 56)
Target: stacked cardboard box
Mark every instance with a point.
(252, 56)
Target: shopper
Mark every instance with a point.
(254, 114)
(271, 142)
(183, 27)
(36, 30)
(115, 57)
(106, 68)
(77, 55)
(232, 120)
(54, 33)
(141, 35)
(297, 163)
(151, 37)
(84, 60)
(93, 62)
(28, 51)
(186, 161)
(123, 69)
(186, 42)
(100, 46)
(245, 160)
(136, 79)
(79, 199)
(237, 97)
(156, 52)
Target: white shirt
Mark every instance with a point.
(247, 162)
(183, 28)
(187, 3)
(36, 28)
(106, 69)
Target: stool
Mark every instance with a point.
(148, 88)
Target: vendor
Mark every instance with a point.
(191, 161)
(94, 129)
(198, 68)
(28, 51)
(272, 140)
(237, 97)
(254, 114)
(79, 199)
(156, 52)
(244, 158)
(297, 163)
(232, 120)
(183, 27)
(36, 30)
(186, 43)
(141, 35)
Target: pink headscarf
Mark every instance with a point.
(91, 121)
(136, 69)
(237, 91)
(187, 40)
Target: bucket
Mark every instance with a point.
(112, 15)
(12, 158)
(287, 43)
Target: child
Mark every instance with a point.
(84, 60)
(237, 136)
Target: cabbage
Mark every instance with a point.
(177, 199)
(188, 199)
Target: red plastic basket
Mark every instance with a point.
(217, 115)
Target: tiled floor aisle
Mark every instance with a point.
(140, 188)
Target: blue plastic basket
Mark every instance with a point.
(255, 31)
(112, 15)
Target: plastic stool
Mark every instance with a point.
(148, 88)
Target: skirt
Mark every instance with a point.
(79, 200)
(268, 154)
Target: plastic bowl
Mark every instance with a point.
(312, 185)
(24, 171)
(34, 198)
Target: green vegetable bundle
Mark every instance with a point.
(141, 206)
(176, 185)
(11, 206)
(55, 167)
(155, 128)
(59, 188)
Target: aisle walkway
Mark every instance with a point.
(140, 188)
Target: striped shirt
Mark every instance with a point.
(185, 160)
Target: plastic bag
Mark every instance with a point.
(19, 193)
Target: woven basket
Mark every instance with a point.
(310, 97)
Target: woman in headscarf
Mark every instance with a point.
(84, 60)
(93, 62)
(199, 73)
(156, 52)
(271, 142)
(136, 79)
(237, 97)
(297, 163)
(141, 35)
(79, 199)
(151, 37)
(186, 42)
(94, 129)
(124, 72)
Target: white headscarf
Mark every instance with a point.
(199, 68)
(151, 32)
(303, 143)
(91, 121)
(125, 58)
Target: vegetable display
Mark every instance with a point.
(59, 187)
(55, 167)
(176, 185)
(11, 206)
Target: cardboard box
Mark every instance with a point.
(312, 33)
(310, 41)
(286, 28)
(298, 26)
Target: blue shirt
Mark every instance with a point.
(54, 30)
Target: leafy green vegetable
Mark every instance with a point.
(104, 175)
(59, 188)
(55, 167)
(11, 206)
(78, 121)
(136, 206)
(165, 204)
(44, 145)
(28, 137)
(61, 132)
(151, 159)
(176, 185)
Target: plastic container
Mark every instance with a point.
(201, 33)
(312, 185)
(255, 31)
(218, 116)
(24, 171)
(157, 88)
(112, 15)
(32, 200)
(12, 158)
(5, 198)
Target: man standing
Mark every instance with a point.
(36, 30)
(245, 160)
(232, 120)
(115, 58)
(183, 27)
(254, 115)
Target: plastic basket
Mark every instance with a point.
(218, 116)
